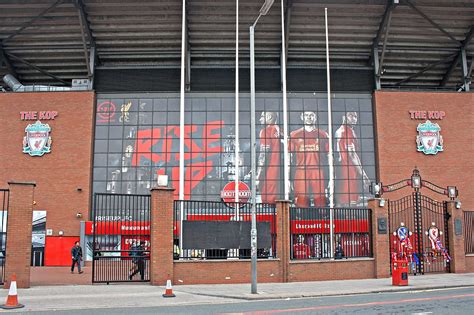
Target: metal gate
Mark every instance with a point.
(4, 199)
(426, 244)
(121, 238)
(419, 213)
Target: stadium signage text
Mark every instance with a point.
(41, 115)
(427, 114)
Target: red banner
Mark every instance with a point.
(323, 226)
(118, 228)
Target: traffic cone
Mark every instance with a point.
(12, 299)
(169, 290)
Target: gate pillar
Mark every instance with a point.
(19, 228)
(283, 237)
(380, 238)
(161, 235)
(456, 238)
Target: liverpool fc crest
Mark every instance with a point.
(429, 140)
(37, 141)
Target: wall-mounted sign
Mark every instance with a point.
(37, 141)
(228, 193)
(105, 112)
(42, 115)
(429, 139)
(427, 114)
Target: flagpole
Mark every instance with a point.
(330, 155)
(286, 164)
(237, 144)
(181, 128)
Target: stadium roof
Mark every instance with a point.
(420, 43)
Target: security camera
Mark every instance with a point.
(458, 204)
(79, 215)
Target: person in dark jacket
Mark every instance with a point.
(138, 254)
(76, 253)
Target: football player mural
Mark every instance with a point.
(309, 147)
(268, 171)
(138, 139)
(352, 180)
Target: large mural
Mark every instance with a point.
(137, 139)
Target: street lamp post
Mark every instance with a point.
(253, 233)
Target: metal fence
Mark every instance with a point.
(4, 199)
(469, 232)
(218, 230)
(310, 236)
(121, 238)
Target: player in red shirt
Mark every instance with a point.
(349, 171)
(309, 147)
(268, 171)
(300, 249)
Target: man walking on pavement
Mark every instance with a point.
(76, 253)
(139, 261)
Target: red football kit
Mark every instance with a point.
(348, 178)
(301, 251)
(307, 146)
(270, 144)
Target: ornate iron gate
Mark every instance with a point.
(121, 238)
(4, 199)
(419, 213)
(418, 225)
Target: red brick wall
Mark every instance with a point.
(396, 138)
(470, 263)
(331, 270)
(57, 174)
(19, 230)
(228, 271)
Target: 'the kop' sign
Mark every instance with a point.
(228, 193)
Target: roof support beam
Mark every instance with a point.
(431, 66)
(465, 70)
(29, 23)
(375, 53)
(453, 66)
(91, 56)
(388, 9)
(411, 5)
(84, 46)
(83, 15)
(5, 60)
(37, 68)
(385, 38)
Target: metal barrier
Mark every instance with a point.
(121, 238)
(469, 232)
(218, 230)
(4, 200)
(310, 236)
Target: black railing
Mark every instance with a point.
(4, 200)
(121, 266)
(469, 232)
(310, 230)
(218, 230)
(121, 238)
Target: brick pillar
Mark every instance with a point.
(456, 238)
(161, 235)
(380, 238)
(19, 228)
(283, 237)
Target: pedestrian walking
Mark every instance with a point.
(138, 260)
(76, 253)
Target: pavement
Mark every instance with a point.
(67, 297)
